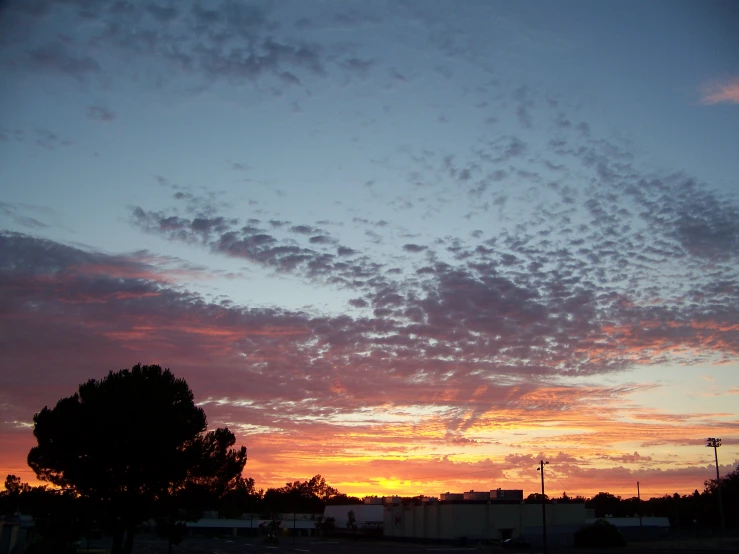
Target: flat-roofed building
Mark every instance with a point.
(506, 494)
(448, 521)
(476, 495)
(365, 515)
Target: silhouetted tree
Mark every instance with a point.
(605, 503)
(567, 499)
(240, 499)
(342, 499)
(10, 498)
(598, 535)
(351, 520)
(328, 524)
(307, 496)
(215, 470)
(730, 491)
(730, 498)
(132, 442)
(60, 516)
(14, 486)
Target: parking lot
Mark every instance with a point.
(308, 545)
(288, 545)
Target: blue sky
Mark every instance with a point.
(383, 227)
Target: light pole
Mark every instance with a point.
(542, 463)
(714, 443)
(638, 506)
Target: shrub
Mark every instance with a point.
(50, 547)
(598, 535)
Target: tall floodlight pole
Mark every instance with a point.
(638, 508)
(712, 442)
(542, 463)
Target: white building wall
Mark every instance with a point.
(450, 521)
(363, 514)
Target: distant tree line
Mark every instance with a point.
(133, 447)
(241, 497)
(66, 516)
(699, 510)
(62, 516)
(303, 497)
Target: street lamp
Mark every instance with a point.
(542, 463)
(715, 443)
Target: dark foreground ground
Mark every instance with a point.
(304, 545)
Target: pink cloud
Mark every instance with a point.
(454, 400)
(718, 92)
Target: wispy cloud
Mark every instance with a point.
(502, 287)
(99, 113)
(719, 92)
(425, 369)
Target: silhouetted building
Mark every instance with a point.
(506, 494)
(365, 515)
(633, 528)
(16, 532)
(472, 520)
(476, 495)
(251, 524)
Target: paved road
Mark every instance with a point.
(301, 545)
(305, 545)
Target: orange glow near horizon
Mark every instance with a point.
(350, 462)
(596, 439)
(411, 273)
(433, 487)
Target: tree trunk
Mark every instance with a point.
(116, 546)
(128, 545)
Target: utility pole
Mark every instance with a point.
(712, 442)
(638, 507)
(542, 463)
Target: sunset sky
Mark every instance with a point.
(413, 246)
